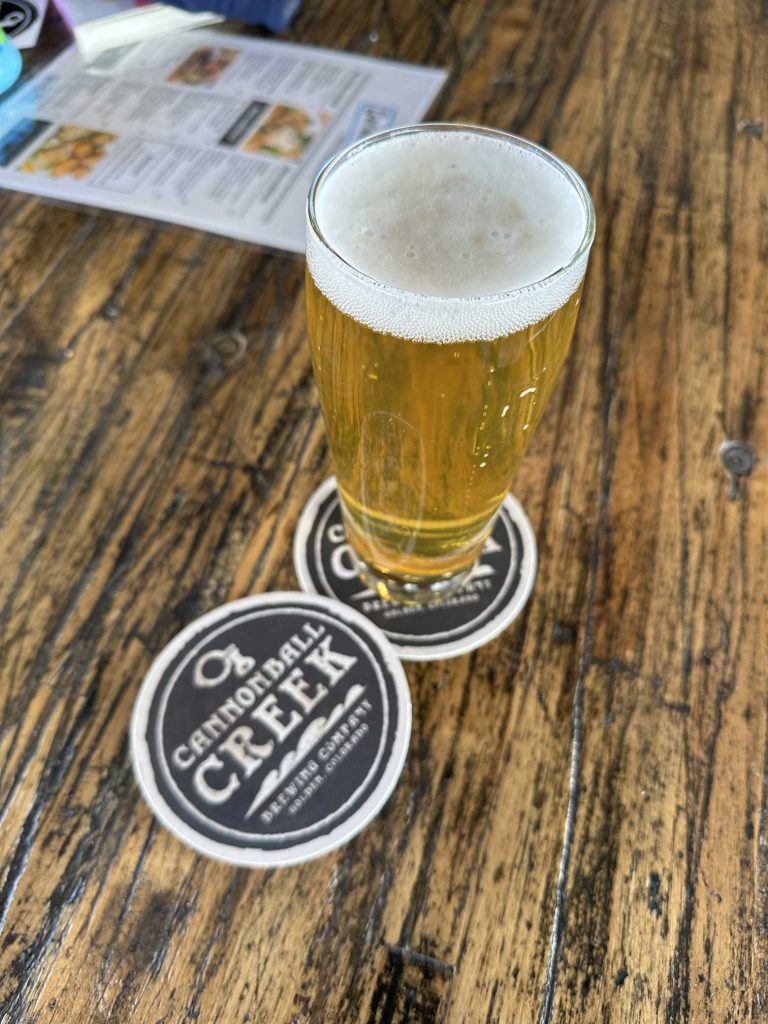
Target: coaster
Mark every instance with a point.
(272, 729)
(492, 598)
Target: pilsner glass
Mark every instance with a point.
(444, 272)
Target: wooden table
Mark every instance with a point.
(581, 830)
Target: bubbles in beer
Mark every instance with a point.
(446, 235)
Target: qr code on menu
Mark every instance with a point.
(370, 118)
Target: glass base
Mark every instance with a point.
(413, 592)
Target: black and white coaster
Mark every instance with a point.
(22, 20)
(492, 598)
(272, 729)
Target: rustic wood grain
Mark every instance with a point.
(581, 830)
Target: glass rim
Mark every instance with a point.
(350, 151)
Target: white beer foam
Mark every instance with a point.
(448, 235)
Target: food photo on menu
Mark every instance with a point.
(286, 132)
(69, 151)
(203, 66)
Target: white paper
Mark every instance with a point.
(22, 20)
(99, 25)
(213, 131)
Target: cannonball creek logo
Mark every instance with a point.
(272, 729)
(488, 603)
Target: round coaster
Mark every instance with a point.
(272, 729)
(491, 599)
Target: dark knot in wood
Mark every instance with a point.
(228, 347)
(737, 457)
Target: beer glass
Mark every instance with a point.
(444, 272)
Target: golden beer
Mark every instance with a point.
(426, 415)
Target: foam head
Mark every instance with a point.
(447, 234)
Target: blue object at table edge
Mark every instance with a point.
(276, 15)
(10, 62)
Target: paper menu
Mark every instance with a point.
(213, 131)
